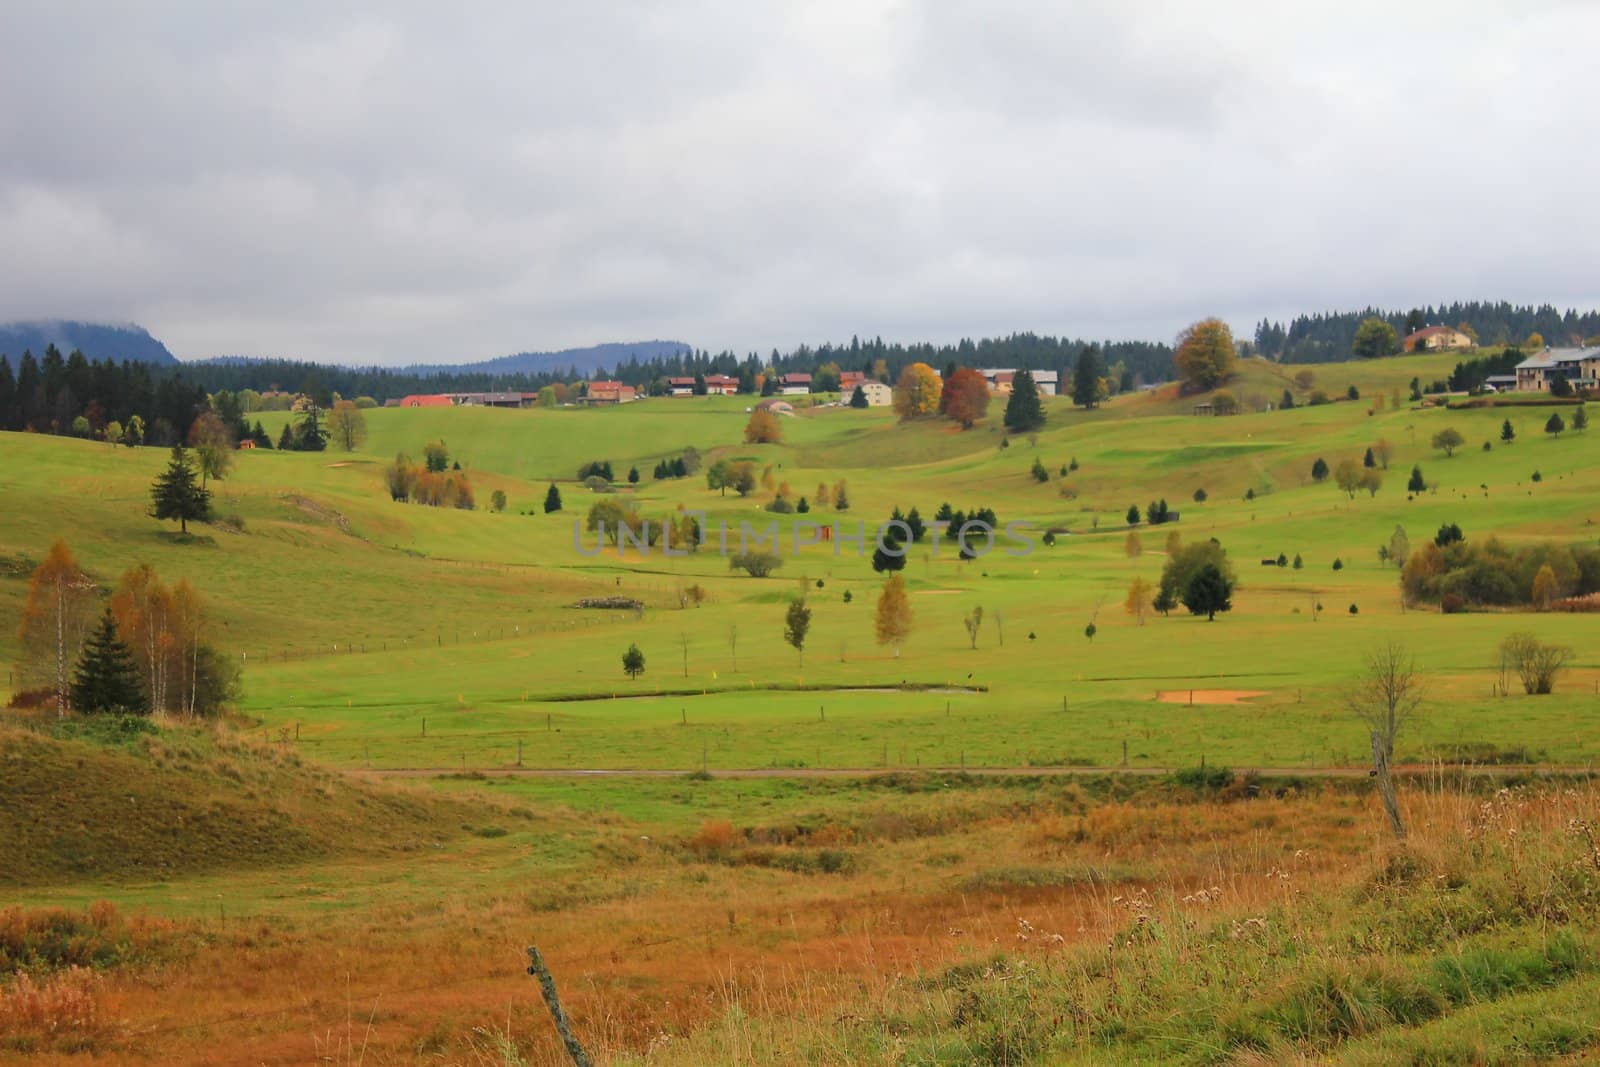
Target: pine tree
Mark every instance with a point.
(552, 500)
(1554, 425)
(1416, 484)
(1369, 460)
(106, 678)
(1508, 433)
(858, 399)
(1085, 378)
(1024, 411)
(1580, 419)
(177, 496)
(1319, 469)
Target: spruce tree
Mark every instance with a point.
(552, 500)
(1508, 432)
(1580, 419)
(107, 679)
(176, 494)
(1024, 411)
(1085, 378)
(858, 399)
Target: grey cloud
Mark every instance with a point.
(410, 181)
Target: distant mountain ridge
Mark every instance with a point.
(96, 340)
(584, 360)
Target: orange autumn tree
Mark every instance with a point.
(763, 428)
(965, 397)
(55, 620)
(164, 628)
(916, 394)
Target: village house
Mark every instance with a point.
(608, 392)
(1000, 379)
(1579, 367)
(721, 385)
(426, 400)
(878, 395)
(1430, 338)
(848, 380)
(680, 387)
(794, 384)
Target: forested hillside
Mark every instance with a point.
(1327, 337)
(94, 340)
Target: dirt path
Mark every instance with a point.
(981, 772)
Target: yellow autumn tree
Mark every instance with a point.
(1205, 354)
(917, 392)
(892, 624)
(55, 619)
(1545, 588)
(1140, 596)
(1132, 545)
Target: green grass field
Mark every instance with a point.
(356, 619)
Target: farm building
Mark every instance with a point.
(1000, 378)
(426, 400)
(774, 405)
(1579, 367)
(721, 385)
(680, 387)
(608, 393)
(794, 384)
(1430, 338)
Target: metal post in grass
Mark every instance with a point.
(552, 999)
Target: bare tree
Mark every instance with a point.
(972, 622)
(1536, 664)
(683, 642)
(733, 645)
(1386, 698)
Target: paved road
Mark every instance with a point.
(984, 772)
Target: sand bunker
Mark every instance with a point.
(1208, 696)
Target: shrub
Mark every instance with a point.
(755, 564)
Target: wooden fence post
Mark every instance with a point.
(547, 984)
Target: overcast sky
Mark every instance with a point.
(447, 182)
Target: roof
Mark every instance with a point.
(425, 400)
(797, 378)
(773, 404)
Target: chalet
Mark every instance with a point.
(608, 393)
(721, 385)
(680, 387)
(1431, 338)
(794, 384)
(1000, 379)
(878, 395)
(246, 443)
(848, 380)
(426, 400)
(1579, 367)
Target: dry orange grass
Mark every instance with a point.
(696, 934)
